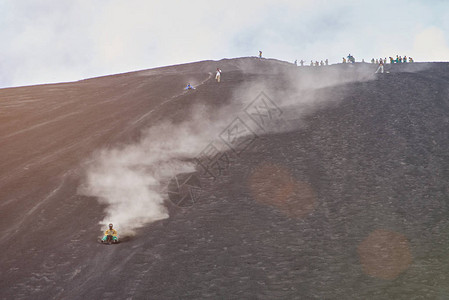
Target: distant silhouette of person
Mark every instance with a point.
(321, 63)
(344, 60)
(296, 62)
(410, 59)
(260, 54)
(326, 62)
(311, 63)
(189, 87)
(381, 67)
(373, 61)
(302, 63)
(218, 75)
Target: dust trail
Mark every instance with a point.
(174, 98)
(131, 179)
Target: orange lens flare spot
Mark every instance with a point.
(275, 186)
(384, 254)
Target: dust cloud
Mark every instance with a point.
(131, 180)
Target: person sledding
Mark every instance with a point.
(110, 235)
(189, 87)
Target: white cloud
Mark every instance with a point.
(432, 43)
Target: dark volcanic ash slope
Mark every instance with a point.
(346, 198)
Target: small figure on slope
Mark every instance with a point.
(381, 67)
(189, 87)
(218, 75)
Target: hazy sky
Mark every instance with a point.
(64, 40)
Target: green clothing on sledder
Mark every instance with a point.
(111, 232)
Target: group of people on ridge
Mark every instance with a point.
(397, 60)
(313, 64)
(349, 59)
(318, 64)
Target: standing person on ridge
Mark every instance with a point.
(260, 54)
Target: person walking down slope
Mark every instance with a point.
(260, 54)
(218, 75)
(381, 67)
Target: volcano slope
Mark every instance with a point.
(339, 190)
